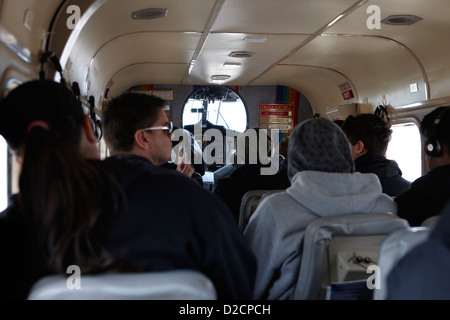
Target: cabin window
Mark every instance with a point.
(405, 148)
(3, 174)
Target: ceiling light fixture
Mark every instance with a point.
(232, 64)
(260, 40)
(401, 20)
(220, 77)
(241, 54)
(150, 13)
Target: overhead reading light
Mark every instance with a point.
(401, 20)
(220, 77)
(150, 13)
(241, 54)
(260, 40)
(232, 64)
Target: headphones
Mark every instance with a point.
(381, 111)
(95, 120)
(433, 146)
(55, 61)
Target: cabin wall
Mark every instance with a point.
(252, 97)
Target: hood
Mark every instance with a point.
(329, 194)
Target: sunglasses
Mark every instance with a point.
(168, 128)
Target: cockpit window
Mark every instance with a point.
(219, 105)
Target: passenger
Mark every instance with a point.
(369, 136)
(283, 149)
(72, 211)
(339, 122)
(429, 193)
(179, 156)
(422, 274)
(321, 170)
(248, 175)
(283, 155)
(127, 130)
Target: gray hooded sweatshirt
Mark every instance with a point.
(276, 229)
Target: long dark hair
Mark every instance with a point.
(67, 198)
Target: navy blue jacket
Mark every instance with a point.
(388, 171)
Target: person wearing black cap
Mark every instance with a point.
(429, 193)
(323, 183)
(112, 215)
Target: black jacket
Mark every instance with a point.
(426, 197)
(388, 171)
(246, 178)
(21, 262)
(170, 223)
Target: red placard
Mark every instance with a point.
(276, 107)
(276, 113)
(276, 116)
(347, 95)
(346, 90)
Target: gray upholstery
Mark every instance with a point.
(355, 232)
(393, 248)
(167, 285)
(249, 203)
(430, 221)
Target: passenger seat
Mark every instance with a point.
(165, 285)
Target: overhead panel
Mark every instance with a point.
(216, 54)
(113, 20)
(166, 48)
(281, 16)
(136, 74)
(367, 62)
(318, 85)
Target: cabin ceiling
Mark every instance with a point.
(311, 46)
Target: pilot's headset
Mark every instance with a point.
(382, 112)
(433, 147)
(95, 119)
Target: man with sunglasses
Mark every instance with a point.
(133, 126)
(181, 225)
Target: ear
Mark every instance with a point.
(141, 140)
(360, 148)
(88, 130)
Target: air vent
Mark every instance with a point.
(241, 54)
(147, 14)
(220, 77)
(401, 20)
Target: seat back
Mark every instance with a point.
(332, 246)
(392, 249)
(430, 222)
(249, 203)
(166, 285)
